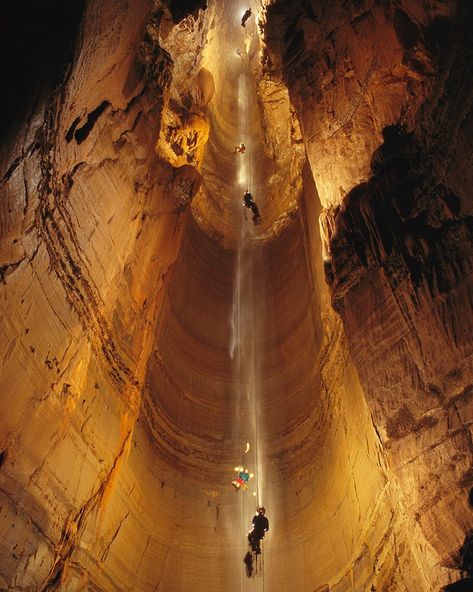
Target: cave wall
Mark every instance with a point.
(383, 96)
(86, 208)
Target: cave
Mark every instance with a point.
(158, 338)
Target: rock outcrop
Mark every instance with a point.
(385, 103)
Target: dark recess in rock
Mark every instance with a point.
(182, 8)
(407, 32)
(388, 218)
(37, 41)
(82, 132)
(465, 585)
(464, 563)
(70, 132)
(438, 34)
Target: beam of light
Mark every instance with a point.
(247, 447)
(242, 174)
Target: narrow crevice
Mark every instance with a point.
(82, 133)
(70, 132)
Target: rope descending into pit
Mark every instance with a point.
(245, 335)
(247, 112)
(251, 313)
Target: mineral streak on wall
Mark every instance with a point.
(120, 217)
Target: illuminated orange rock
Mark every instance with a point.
(152, 339)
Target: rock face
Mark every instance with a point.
(125, 260)
(88, 206)
(388, 129)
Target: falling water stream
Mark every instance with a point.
(246, 331)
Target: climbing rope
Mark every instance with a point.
(259, 565)
(250, 186)
(239, 387)
(247, 110)
(247, 366)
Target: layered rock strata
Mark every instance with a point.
(92, 221)
(384, 100)
(121, 417)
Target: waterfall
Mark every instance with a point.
(245, 323)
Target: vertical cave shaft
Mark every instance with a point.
(149, 331)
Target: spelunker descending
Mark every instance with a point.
(239, 149)
(245, 17)
(260, 528)
(242, 479)
(249, 202)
